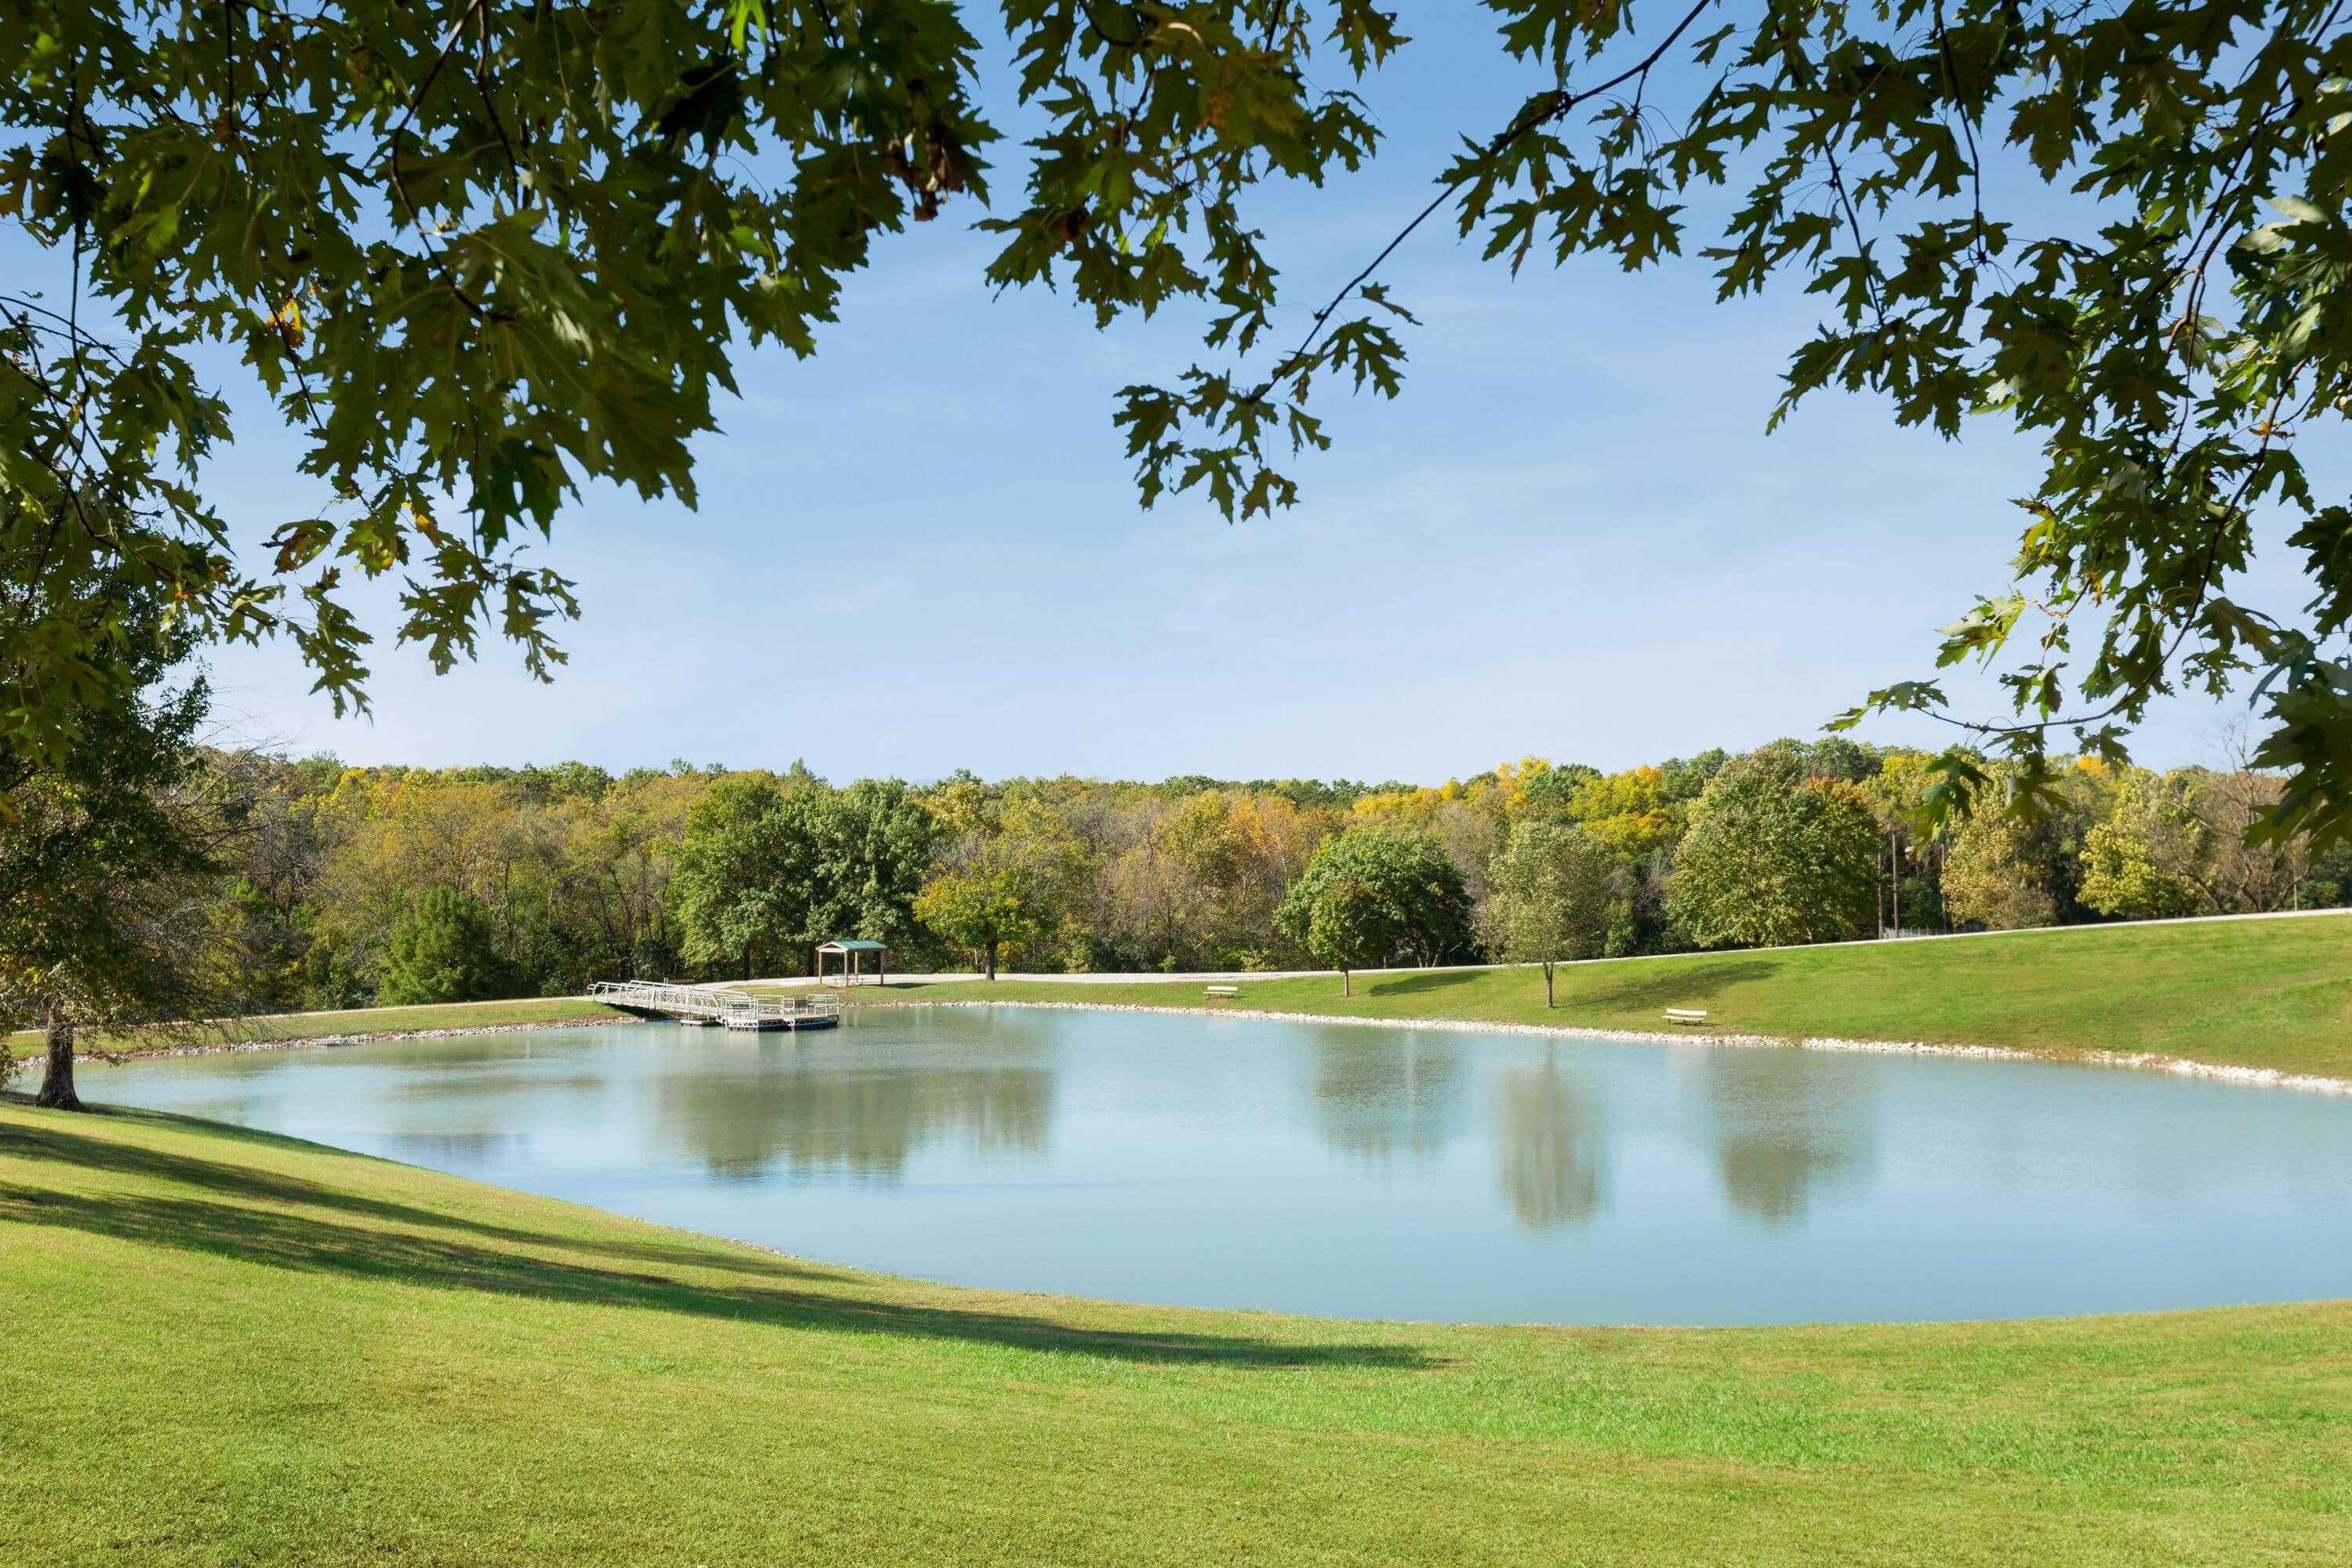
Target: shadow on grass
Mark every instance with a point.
(53, 1139)
(1676, 985)
(1427, 980)
(444, 1252)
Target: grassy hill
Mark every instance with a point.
(2255, 992)
(227, 1347)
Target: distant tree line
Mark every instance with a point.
(345, 886)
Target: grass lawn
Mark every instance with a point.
(27, 1043)
(228, 1347)
(2269, 994)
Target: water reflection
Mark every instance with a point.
(1378, 1094)
(1386, 1173)
(1551, 1146)
(864, 1122)
(459, 1150)
(1787, 1124)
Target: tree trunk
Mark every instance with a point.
(988, 953)
(1346, 988)
(1546, 982)
(57, 1082)
(746, 961)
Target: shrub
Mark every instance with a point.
(442, 950)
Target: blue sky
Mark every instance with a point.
(921, 551)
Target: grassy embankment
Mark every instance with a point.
(2263, 993)
(226, 1346)
(290, 1028)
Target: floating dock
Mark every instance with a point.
(708, 1004)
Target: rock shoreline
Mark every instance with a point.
(357, 1038)
(2137, 1061)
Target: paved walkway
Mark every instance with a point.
(1148, 977)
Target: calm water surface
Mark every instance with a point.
(1361, 1172)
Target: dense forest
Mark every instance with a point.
(345, 886)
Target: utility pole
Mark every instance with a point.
(1878, 901)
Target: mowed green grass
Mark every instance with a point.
(2257, 993)
(294, 1027)
(224, 1347)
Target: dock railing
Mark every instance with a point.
(741, 1009)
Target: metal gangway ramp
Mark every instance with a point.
(719, 1004)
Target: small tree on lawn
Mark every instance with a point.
(1350, 925)
(1548, 897)
(982, 907)
(1377, 891)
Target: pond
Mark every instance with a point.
(1362, 1171)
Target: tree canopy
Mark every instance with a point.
(1349, 926)
(480, 254)
(746, 873)
(984, 907)
(442, 951)
(879, 852)
(309, 874)
(1372, 894)
(771, 866)
(107, 856)
(1775, 856)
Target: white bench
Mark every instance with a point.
(1223, 992)
(1686, 1015)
